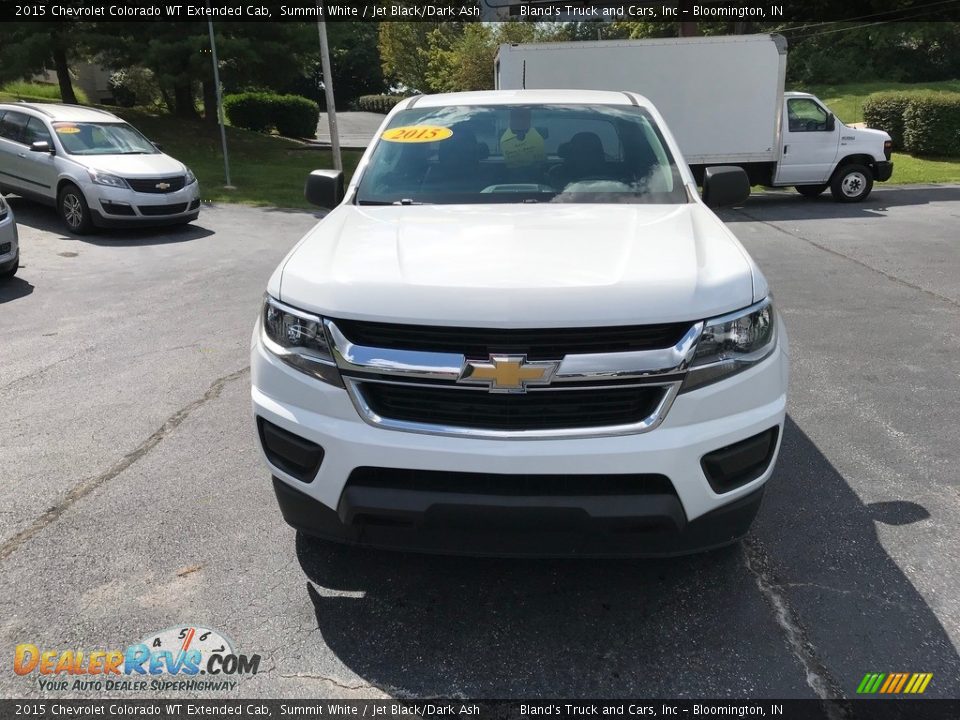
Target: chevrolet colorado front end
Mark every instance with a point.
(521, 330)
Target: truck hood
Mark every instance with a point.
(519, 265)
(134, 166)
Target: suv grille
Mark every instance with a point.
(149, 185)
(537, 343)
(535, 410)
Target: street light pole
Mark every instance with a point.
(328, 88)
(216, 80)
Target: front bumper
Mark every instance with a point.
(691, 516)
(122, 207)
(9, 243)
(882, 170)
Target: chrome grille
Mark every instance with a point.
(605, 381)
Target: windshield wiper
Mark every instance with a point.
(407, 201)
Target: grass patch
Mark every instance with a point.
(37, 92)
(846, 101)
(908, 170)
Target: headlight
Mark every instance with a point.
(298, 338)
(99, 178)
(3, 208)
(731, 344)
(190, 178)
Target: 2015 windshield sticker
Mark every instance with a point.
(66, 129)
(417, 134)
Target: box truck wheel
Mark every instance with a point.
(851, 183)
(810, 191)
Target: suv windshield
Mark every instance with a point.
(521, 153)
(87, 138)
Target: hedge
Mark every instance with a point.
(378, 103)
(884, 111)
(249, 110)
(291, 115)
(931, 124)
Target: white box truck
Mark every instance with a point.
(723, 98)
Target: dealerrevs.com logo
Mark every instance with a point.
(188, 658)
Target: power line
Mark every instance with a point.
(871, 16)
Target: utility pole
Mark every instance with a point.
(328, 88)
(216, 82)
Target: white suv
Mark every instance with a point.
(521, 330)
(93, 166)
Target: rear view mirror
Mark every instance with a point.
(724, 186)
(41, 146)
(831, 122)
(324, 188)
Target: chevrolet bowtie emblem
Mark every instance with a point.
(507, 373)
(162, 185)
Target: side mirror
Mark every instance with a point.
(324, 188)
(41, 146)
(158, 146)
(724, 186)
(831, 122)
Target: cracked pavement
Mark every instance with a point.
(133, 498)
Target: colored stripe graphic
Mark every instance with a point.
(894, 683)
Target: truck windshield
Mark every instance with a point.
(521, 153)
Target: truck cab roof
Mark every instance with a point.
(533, 97)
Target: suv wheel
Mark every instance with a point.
(73, 210)
(851, 183)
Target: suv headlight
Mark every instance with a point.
(298, 338)
(731, 344)
(100, 178)
(190, 178)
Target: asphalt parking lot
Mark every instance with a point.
(133, 498)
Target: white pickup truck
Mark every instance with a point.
(723, 97)
(521, 330)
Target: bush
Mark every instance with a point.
(378, 103)
(884, 111)
(295, 116)
(291, 115)
(251, 110)
(931, 124)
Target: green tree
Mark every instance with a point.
(404, 52)
(31, 48)
(462, 58)
(251, 56)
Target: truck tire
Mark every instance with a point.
(810, 191)
(851, 183)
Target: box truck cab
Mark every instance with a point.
(724, 99)
(818, 150)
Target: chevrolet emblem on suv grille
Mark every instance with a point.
(162, 185)
(507, 373)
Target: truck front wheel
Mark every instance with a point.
(851, 183)
(810, 191)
